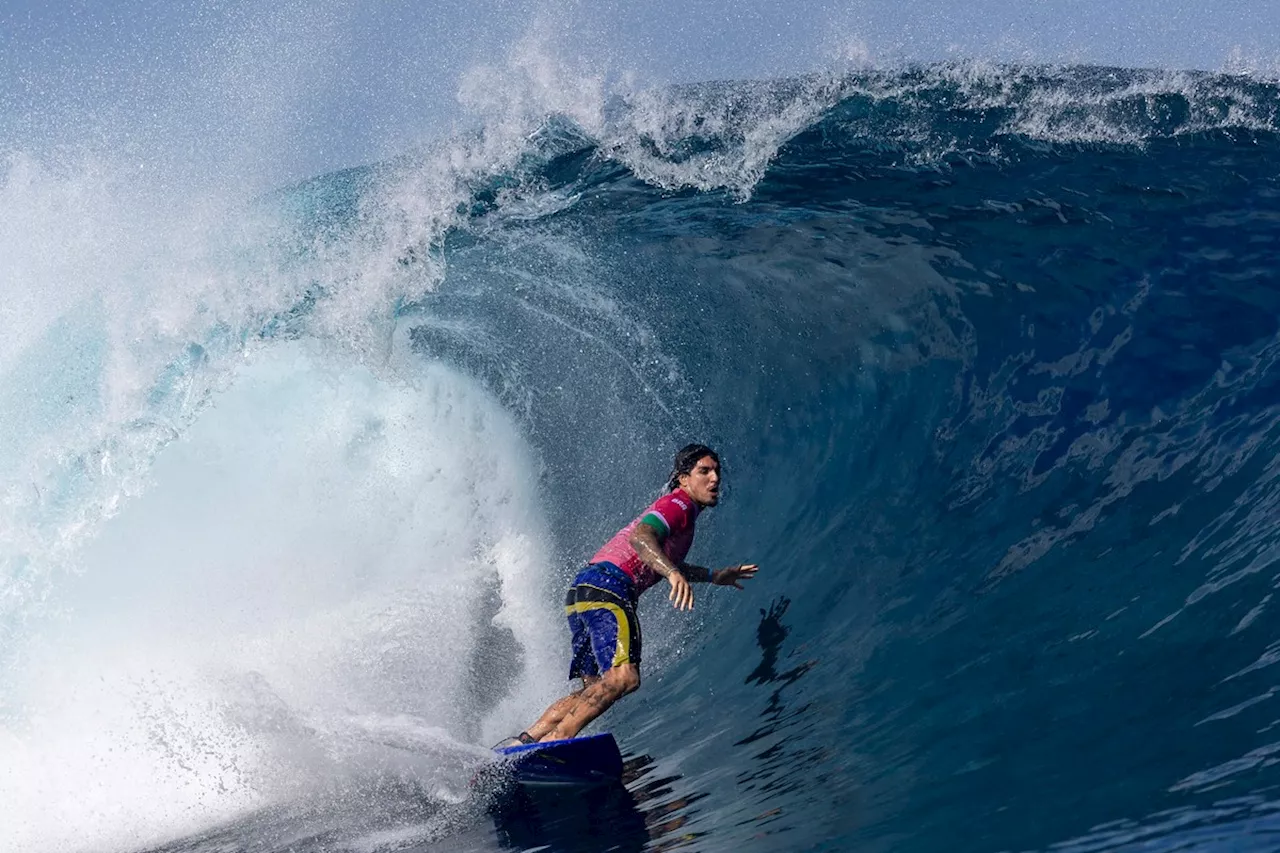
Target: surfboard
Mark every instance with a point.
(589, 760)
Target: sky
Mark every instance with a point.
(295, 89)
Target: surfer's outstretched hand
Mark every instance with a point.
(734, 575)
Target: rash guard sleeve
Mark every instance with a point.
(672, 515)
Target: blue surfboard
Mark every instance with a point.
(589, 760)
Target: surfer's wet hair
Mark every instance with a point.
(686, 458)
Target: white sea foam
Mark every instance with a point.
(313, 550)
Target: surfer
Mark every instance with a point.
(602, 600)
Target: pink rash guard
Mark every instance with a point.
(673, 516)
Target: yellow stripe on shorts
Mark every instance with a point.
(621, 653)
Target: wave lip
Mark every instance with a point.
(727, 136)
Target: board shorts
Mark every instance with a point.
(601, 607)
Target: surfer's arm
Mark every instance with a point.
(728, 576)
(648, 544)
(697, 574)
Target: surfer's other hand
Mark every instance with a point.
(734, 575)
(681, 593)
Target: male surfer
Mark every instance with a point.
(601, 602)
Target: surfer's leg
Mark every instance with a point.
(609, 622)
(582, 664)
(594, 699)
(553, 715)
(606, 656)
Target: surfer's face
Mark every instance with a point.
(703, 482)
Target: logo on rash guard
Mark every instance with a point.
(684, 506)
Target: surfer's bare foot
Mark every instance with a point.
(519, 740)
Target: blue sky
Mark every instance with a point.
(311, 86)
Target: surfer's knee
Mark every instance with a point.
(624, 678)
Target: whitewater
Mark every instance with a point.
(291, 481)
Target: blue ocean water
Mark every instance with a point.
(989, 352)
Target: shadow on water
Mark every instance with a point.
(770, 635)
(779, 764)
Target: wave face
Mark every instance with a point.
(991, 355)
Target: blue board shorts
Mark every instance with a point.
(601, 607)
